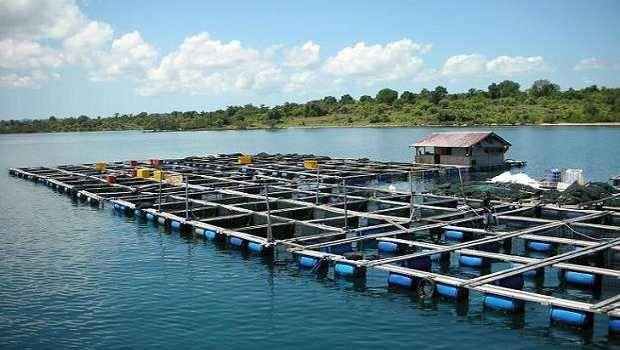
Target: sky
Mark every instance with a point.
(100, 57)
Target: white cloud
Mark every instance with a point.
(591, 63)
(37, 37)
(311, 82)
(33, 79)
(87, 45)
(394, 61)
(476, 65)
(26, 54)
(129, 56)
(304, 56)
(509, 66)
(203, 65)
(464, 65)
(36, 19)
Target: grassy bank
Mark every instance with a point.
(501, 104)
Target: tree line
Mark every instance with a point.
(501, 103)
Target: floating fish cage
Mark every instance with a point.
(334, 216)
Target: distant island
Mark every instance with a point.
(503, 103)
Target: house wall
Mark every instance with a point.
(488, 153)
(425, 159)
(457, 156)
(455, 160)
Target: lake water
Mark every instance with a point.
(72, 276)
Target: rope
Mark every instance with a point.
(584, 235)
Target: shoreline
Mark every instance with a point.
(327, 126)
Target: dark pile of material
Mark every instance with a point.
(499, 191)
(577, 194)
(574, 194)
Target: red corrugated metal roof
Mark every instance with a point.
(456, 139)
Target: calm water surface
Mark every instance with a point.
(72, 276)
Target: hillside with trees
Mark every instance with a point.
(504, 103)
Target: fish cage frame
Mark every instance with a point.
(273, 203)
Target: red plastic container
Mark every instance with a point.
(111, 179)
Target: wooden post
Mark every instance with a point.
(461, 181)
(412, 199)
(159, 197)
(346, 217)
(269, 232)
(318, 181)
(187, 197)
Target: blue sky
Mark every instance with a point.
(98, 57)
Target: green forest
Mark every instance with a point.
(503, 103)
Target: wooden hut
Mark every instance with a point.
(478, 150)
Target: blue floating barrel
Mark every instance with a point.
(451, 292)
(176, 225)
(395, 279)
(138, 213)
(236, 241)
(388, 247)
(307, 261)
(512, 282)
(256, 247)
(574, 318)
(473, 261)
(209, 234)
(452, 235)
(347, 269)
(497, 302)
(150, 217)
(614, 326)
(420, 263)
(539, 246)
(582, 278)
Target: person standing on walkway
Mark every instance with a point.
(487, 209)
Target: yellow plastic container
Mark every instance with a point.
(245, 159)
(311, 164)
(101, 166)
(159, 175)
(143, 173)
(174, 180)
